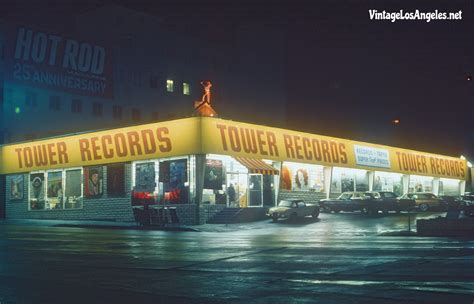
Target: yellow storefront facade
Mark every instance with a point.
(196, 162)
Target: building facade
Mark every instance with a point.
(201, 165)
(113, 67)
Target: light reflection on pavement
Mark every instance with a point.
(338, 259)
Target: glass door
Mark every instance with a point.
(236, 189)
(255, 190)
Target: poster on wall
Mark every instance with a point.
(175, 190)
(93, 183)
(16, 188)
(300, 180)
(362, 181)
(55, 184)
(116, 179)
(347, 182)
(55, 190)
(285, 178)
(53, 61)
(145, 177)
(213, 175)
(37, 191)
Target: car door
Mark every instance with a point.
(356, 201)
(389, 200)
(301, 209)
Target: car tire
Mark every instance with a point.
(315, 214)
(274, 218)
(424, 207)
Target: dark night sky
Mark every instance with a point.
(347, 76)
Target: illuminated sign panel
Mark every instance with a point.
(172, 138)
(248, 140)
(217, 136)
(372, 157)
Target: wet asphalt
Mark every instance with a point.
(339, 258)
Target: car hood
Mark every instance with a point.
(279, 209)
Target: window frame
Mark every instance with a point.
(63, 188)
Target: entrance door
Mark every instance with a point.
(268, 191)
(239, 183)
(255, 190)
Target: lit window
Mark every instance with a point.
(169, 85)
(186, 88)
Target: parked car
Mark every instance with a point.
(424, 201)
(467, 204)
(388, 201)
(350, 202)
(292, 209)
(451, 202)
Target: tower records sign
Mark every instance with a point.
(51, 61)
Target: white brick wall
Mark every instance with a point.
(104, 208)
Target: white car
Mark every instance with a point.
(292, 209)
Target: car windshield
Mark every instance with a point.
(345, 196)
(388, 194)
(371, 195)
(424, 196)
(285, 204)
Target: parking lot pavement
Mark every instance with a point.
(339, 258)
(344, 223)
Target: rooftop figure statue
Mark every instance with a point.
(207, 91)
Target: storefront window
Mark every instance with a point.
(37, 191)
(449, 187)
(302, 177)
(346, 179)
(384, 181)
(234, 183)
(161, 182)
(419, 183)
(145, 183)
(58, 189)
(73, 193)
(174, 177)
(362, 180)
(55, 190)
